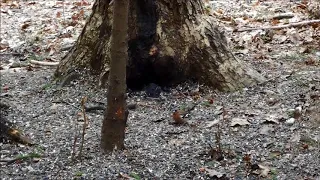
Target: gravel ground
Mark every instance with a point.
(155, 147)
(254, 133)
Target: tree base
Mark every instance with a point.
(169, 42)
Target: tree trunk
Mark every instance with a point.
(88, 51)
(169, 41)
(114, 124)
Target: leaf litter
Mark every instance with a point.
(276, 132)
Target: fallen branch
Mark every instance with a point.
(11, 70)
(11, 54)
(7, 131)
(44, 63)
(130, 106)
(21, 158)
(283, 16)
(303, 23)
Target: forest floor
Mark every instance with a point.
(269, 131)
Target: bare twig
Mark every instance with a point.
(218, 133)
(283, 16)
(74, 141)
(303, 23)
(218, 139)
(11, 54)
(44, 63)
(64, 18)
(62, 101)
(21, 158)
(85, 124)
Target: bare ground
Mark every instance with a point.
(263, 135)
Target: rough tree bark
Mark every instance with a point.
(169, 41)
(115, 119)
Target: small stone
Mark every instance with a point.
(290, 121)
(269, 92)
(53, 107)
(36, 160)
(272, 101)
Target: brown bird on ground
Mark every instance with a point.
(177, 118)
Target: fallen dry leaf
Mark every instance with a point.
(271, 119)
(58, 15)
(239, 122)
(212, 123)
(265, 130)
(214, 173)
(264, 170)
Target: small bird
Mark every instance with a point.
(177, 118)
